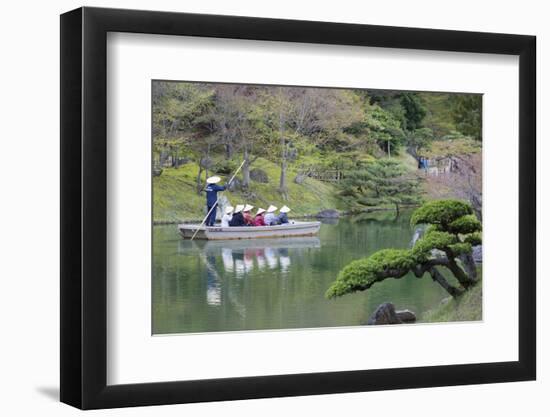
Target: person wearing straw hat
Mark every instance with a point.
(227, 216)
(259, 218)
(212, 189)
(237, 219)
(248, 219)
(282, 218)
(270, 218)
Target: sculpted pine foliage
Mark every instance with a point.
(447, 243)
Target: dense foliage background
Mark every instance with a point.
(312, 148)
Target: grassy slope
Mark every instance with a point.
(468, 307)
(175, 198)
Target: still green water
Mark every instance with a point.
(207, 286)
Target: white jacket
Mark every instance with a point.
(226, 219)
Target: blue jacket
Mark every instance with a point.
(283, 218)
(212, 193)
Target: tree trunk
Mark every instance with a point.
(465, 280)
(440, 279)
(228, 151)
(246, 169)
(282, 180)
(199, 179)
(283, 189)
(469, 266)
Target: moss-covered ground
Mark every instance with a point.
(467, 307)
(175, 197)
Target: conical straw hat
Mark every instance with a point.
(271, 209)
(284, 209)
(213, 180)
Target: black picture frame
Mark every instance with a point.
(84, 207)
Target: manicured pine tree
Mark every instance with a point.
(447, 243)
(380, 182)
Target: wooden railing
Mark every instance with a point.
(325, 175)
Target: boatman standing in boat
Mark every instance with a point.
(212, 190)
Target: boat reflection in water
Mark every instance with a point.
(239, 258)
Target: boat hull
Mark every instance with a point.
(250, 232)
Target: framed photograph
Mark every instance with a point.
(256, 208)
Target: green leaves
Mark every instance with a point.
(361, 274)
(452, 232)
(433, 239)
(383, 181)
(464, 225)
(440, 212)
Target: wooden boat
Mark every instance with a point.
(291, 229)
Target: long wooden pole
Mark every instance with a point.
(216, 203)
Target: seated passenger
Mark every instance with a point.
(248, 218)
(270, 218)
(259, 219)
(282, 218)
(237, 219)
(227, 216)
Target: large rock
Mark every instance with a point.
(328, 214)
(477, 254)
(386, 314)
(300, 178)
(406, 316)
(236, 184)
(259, 175)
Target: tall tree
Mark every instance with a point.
(414, 110)
(466, 109)
(418, 140)
(317, 114)
(383, 181)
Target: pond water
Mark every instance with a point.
(206, 286)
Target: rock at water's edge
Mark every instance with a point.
(406, 316)
(385, 314)
(328, 214)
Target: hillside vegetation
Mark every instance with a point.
(176, 198)
(372, 140)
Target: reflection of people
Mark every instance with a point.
(282, 218)
(270, 217)
(227, 216)
(260, 258)
(240, 269)
(271, 258)
(213, 289)
(259, 219)
(212, 198)
(248, 262)
(227, 259)
(248, 219)
(285, 262)
(237, 219)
